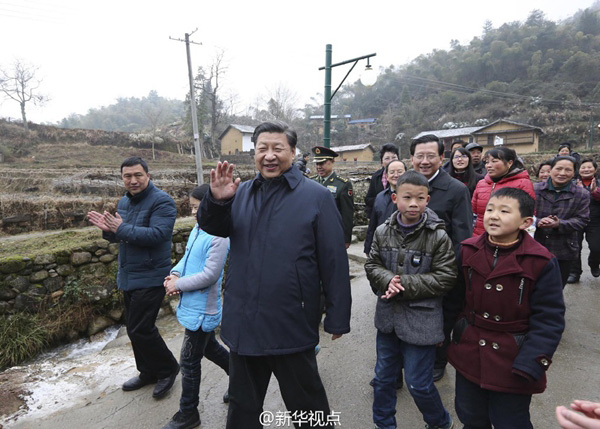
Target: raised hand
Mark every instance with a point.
(222, 185)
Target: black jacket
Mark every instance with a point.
(375, 187)
(451, 201)
(382, 210)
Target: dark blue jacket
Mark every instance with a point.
(382, 210)
(144, 238)
(287, 244)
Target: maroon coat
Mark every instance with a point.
(512, 315)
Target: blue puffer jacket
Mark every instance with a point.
(200, 275)
(145, 238)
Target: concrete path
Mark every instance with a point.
(346, 367)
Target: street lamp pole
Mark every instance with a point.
(328, 96)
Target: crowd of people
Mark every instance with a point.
(467, 259)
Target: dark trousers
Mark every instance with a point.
(152, 356)
(592, 236)
(299, 383)
(479, 408)
(565, 269)
(196, 345)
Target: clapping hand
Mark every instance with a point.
(548, 222)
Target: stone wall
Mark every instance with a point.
(28, 283)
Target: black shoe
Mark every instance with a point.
(184, 421)
(438, 373)
(595, 271)
(163, 385)
(138, 382)
(226, 397)
(573, 278)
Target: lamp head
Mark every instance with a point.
(369, 76)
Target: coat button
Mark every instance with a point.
(497, 318)
(482, 343)
(487, 286)
(544, 362)
(495, 346)
(486, 315)
(499, 288)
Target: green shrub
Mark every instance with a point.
(22, 336)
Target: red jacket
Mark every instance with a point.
(512, 315)
(518, 179)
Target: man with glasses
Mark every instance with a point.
(451, 201)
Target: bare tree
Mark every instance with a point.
(282, 103)
(217, 70)
(21, 84)
(210, 104)
(153, 108)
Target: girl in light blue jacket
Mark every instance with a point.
(197, 279)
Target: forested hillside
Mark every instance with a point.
(538, 72)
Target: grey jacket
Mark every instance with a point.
(425, 261)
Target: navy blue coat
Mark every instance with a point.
(286, 243)
(144, 238)
(382, 210)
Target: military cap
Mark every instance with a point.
(322, 153)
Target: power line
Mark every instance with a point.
(498, 94)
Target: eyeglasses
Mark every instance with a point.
(460, 157)
(429, 156)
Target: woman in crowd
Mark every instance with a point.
(378, 183)
(589, 181)
(562, 210)
(543, 171)
(564, 149)
(462, 168)
(384, 206)
(504, 171)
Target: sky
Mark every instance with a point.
(89, 53)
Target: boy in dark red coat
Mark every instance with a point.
(512, 317)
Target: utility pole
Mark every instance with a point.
(197, 145)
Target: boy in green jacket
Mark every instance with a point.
(410, 267)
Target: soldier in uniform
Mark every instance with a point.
(340, 188)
